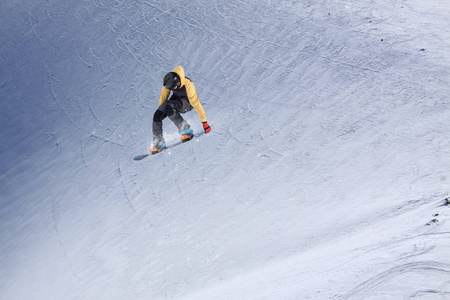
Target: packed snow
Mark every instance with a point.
(326, 174)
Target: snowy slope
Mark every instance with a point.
(325, 175)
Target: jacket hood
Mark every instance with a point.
(180, 71)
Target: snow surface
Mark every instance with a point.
(324, 177)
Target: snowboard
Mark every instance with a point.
(142, 156)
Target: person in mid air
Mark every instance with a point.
(183, 99)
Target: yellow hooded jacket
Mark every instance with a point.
(190, 91)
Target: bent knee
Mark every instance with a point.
(158, 116)
(168, 110)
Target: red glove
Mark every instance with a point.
(206, 127)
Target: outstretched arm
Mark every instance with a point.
(194, 101)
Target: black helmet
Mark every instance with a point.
(171, 80)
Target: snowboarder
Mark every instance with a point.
(184, 98)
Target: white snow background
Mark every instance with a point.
(325, 175)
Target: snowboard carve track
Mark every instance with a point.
(416, 267)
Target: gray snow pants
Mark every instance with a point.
(172, 108)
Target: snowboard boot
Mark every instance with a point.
(187, 135)
(158, 147)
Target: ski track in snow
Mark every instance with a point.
(417, 267)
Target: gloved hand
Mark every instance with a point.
(206, 127)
